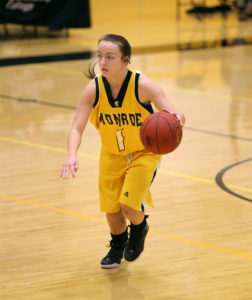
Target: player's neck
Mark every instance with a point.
(117, 80)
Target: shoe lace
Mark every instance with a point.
(110, 244)
(114, 246)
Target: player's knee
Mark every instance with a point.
(128, 211)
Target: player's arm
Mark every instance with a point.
(75, 135)
(148, 90)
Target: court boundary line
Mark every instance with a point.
(220, 180)
(155, 233)
(81, 154)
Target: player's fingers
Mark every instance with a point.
(175, 115)
(76, 166)
(72, 168)
(62, 171)
(65, 171)
(178, 117)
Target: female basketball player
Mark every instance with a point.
(117, 101)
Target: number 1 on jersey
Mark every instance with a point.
(120, 140)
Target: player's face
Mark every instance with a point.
(110, 59)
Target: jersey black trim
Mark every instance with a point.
(147, 105)
(136, 85)
(97, 92)
(119, 100)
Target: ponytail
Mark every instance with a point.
(91, 69)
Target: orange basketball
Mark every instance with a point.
(161, 132)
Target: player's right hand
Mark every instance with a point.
(70, 165)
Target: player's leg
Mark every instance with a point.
(119, 235)
(134, 216)
(116, 222)
(135, 191)
(138, 231)
(110, 183)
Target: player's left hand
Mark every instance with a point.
(179, 116)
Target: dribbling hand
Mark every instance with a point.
(180, 117)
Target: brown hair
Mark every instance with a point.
(123, 45)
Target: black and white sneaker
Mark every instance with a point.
(135, 246)
(113, 258)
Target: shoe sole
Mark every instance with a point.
(115, 265)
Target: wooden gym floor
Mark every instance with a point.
(52, 234)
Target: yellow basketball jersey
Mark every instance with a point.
(119, 120)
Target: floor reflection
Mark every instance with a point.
(121, 286)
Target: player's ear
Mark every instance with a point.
(126, 59)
